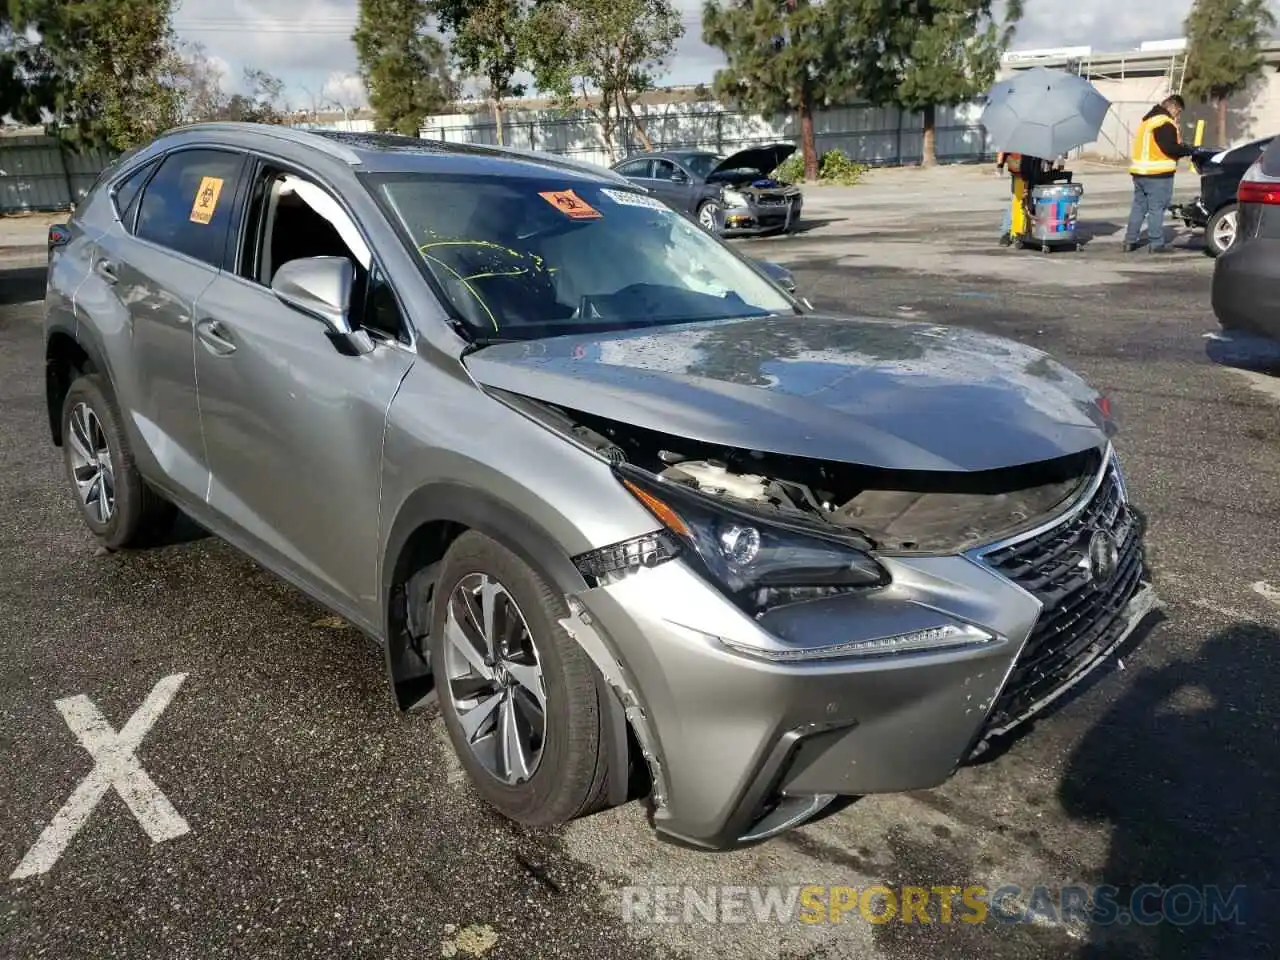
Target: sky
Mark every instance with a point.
(307, 42)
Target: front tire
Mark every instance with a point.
(518, 695)
(710, 215)
(114, 501)
(1220, 232)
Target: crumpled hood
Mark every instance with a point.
(880, 393)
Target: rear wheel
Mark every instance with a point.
(518, 695)
(115, 502)
(1220, 231)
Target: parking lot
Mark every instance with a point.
(320, 823)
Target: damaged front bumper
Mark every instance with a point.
(742, 748)
(1193, 214)
(761, 218)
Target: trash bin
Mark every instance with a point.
(1053, 215)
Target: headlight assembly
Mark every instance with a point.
(734, 200)
(759, 562)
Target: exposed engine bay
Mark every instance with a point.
(898, 511)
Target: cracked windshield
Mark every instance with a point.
(526, 258)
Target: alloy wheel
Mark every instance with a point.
(1224, 231)
(91, 464)
(707, 216)
(495, 679)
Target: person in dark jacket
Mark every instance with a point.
(1157, 148)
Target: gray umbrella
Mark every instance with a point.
(1044, 113)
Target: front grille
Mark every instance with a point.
(771, 201)
(1081, 616)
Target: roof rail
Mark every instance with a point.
(303, 138)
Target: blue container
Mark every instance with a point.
(1053, 213)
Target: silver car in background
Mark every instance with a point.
(641, 522)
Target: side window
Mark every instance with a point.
(382, 310)
(187, 206)
(664, 170)
(636, 168)
(293, 218)
(129, 190)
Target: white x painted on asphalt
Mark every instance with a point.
(114, 766)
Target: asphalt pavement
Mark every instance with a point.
(314, 821)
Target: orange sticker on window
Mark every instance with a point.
(206, 200)
(570, 204)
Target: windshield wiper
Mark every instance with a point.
(479, 343)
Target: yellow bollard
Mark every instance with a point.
(1199, 133)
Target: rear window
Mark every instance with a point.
(1271, 159)
(187, 205)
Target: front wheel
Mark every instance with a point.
(709, 215)
(517, 693)
(1220, 232)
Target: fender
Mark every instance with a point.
(52, 387)
(476, 510)
(409, 677)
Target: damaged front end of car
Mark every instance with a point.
(884, 625)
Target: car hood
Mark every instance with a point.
(765, 159)
(879, 393)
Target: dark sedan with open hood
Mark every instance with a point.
(737, 195)
(641, 523)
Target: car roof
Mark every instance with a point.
(391, 153)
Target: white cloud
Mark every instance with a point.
(345, 91)
(308, 42)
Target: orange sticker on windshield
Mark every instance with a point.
(570, 204)
(206, 200)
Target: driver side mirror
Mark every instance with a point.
(321, 287)
(679, 177)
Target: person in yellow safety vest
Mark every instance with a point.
(1157, 148)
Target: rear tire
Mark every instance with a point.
(564, 774)
(1220, 232)
(114, 501)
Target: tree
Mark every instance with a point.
(783, 57)
(403, 67)
(489, 40)
(197, 78)
(1224, 51)
(101, 70)
(925, 54)
(602, 54)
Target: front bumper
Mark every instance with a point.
(756, 218)
(1193, 214)
(742, 748)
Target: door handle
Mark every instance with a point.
(106, 270)
(214, 336)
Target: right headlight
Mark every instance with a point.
(759, 561)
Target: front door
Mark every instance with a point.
(672, 184)
(294, 427)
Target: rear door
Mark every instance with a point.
(175, 221)
(294, 427)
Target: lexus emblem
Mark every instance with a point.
(1102, 557)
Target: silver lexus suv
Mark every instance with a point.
(643, 523)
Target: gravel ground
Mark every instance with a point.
(323, 824)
